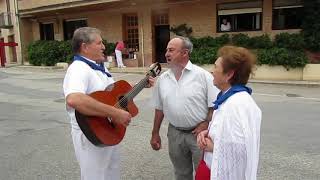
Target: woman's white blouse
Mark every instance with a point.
(235, 131)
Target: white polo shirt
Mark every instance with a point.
(82, 78)
(185, 102)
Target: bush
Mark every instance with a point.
(289, 41)
(208, 41)
(34, 52)
(66, 51)
(44, 53)
(203, 42)
(110, 47)
(240, 40)
(182, 30)
(206, 55)
(260, 42)
(223, 40)
(48, 53)
(281, 56)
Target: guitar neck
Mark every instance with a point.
(137, 88)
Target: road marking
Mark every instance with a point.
(283, 95)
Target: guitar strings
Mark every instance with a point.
(136, 89)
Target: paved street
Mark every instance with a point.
(36, 143)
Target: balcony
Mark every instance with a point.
(5, 20)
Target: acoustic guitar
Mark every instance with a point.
(102, 131)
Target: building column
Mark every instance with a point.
(26, 35)
(267, 16)
(145, 37)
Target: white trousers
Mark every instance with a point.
(96, 163)
(119, 58)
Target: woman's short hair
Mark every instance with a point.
(237, 59)
(83, 35)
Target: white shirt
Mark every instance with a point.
(81, 78)
(185, 102)
(235, 131)
(225, 27)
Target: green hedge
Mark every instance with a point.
(289, 41)
(286, 50)
(206, 55)
(48, 53)
(282, 56)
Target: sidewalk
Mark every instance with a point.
(143, 70)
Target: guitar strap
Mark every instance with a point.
(94, 66)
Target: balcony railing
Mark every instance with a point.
(5, 20)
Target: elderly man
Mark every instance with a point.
(84, 76)
(183, 95)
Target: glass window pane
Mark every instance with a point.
(287, 18)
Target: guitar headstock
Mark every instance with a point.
(155, 70)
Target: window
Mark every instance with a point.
(69, 26)
(239, 16)
(131, 31)
(287, 14)
(46, 31)
(162, 19)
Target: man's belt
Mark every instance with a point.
(183, 129)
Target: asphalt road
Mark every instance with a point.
(36, 143)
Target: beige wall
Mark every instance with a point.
(29, 4)
(109, 23)
(3, 6)
(200, 15)
(311, 72)
(26, 36)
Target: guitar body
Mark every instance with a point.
(104, 131)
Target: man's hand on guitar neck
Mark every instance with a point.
(151, 82)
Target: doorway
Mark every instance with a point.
(162, 37)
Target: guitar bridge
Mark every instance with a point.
(110, 122)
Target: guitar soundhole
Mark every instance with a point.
(123, 102)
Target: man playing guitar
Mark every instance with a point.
(85, 76)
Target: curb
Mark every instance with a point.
(144, 71)
(35, 67)
(293, 83)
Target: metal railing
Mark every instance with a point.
(5, 20)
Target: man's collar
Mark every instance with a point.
(88, 59)
(189, 66)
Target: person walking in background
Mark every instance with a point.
(183, 95)
(231, 143)
(118, 51)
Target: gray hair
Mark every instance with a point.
(187, 44)
(83, 35)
